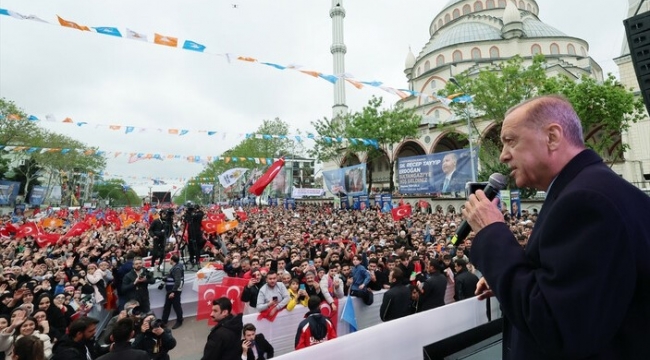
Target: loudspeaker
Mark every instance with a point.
(637, 29)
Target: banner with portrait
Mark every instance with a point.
(378, 200)
(515, 204)
(443, 172)
(37, 196)
(505, 200)
(386, 203)
(349, 180)
(8, 191)
(364, 202)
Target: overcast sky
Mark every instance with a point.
(101, 79)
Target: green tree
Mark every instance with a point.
(113, 191)
(606, 106)
(326, 147)
(386, 127)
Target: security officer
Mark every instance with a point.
(192, 218)
(160, 230)
(174, 285)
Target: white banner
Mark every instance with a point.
(298, 193)
(231, 176)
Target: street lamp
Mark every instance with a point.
(469, 128)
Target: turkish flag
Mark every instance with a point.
(401, 212)
(423, 204)
(232, 292)
(29, 229)
(225, 226)
(267, 314)
(258, 187)
(47, 239)
(209, 227)
(217, 218)
(327, 311)
(234, 281)
(63, 213)
(242, 215)
(207, 293)
(77, 229)
(254, 210)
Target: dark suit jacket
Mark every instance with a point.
(456, 182)
(581, 288)
(434, 292)
(396, 303)
(264, 349)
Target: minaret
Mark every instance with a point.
(338, 49)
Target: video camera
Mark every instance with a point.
(135, 311)
(156, 323)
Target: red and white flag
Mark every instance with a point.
(28, 229)
(401, 212)
(258, 187)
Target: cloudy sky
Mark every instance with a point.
(101, 79)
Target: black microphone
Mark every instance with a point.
(496, 183)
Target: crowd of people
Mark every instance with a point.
(288, 255)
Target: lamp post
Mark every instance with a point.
(469, 129)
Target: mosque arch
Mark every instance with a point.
(467, 9)
(476, 53)
(571, 49)
(350, 159)
(535, 49)
(456, 14)
(457, 56)
(427, 66)
(555, 49)
(494, 52)
(440, 60)
(440, 23)
(447, 18)
(489, 4)
(448, 141)
(502, 3)
(478, 6)
(522, 6)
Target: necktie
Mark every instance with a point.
(445, 185)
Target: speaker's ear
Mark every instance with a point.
(637, 29)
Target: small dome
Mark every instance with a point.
(511, 14)
(463, 33)
(535, 28)
(410, 60)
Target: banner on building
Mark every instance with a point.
(298, 193)
(8, 191)
(515, 204)
(386, 203)
(206, 188)
(444, 172)
(37, 196)
(349, 180)
(505, 200)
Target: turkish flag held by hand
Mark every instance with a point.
(207, 293)
(242, 215)
(233, 293)
(47, 239)
(269, 314)
(401, 212)
(77, 229)
(327, 311)
(28, 229)
(258, 187)
(209, 227)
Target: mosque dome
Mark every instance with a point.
(511, 14)
(464, 32)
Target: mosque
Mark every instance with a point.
(470, 35)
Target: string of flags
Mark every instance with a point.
(128, 129)
(194, 46)
(134, 157)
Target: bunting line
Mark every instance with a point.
(191, 45)
(128, 129)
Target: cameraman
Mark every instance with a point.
(135, 285)
(160, 230)
(154, 338)
(192, 219)
(174, 285)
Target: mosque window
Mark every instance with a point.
(555, 49)
(457, 56)
(502, 3)
(476, 53)
(427, 66)
(447, 18)
(432, 84)
(440, 60)
(467, 9)
(529, 7)
(436, 114)
(583, 51)
(571, 49)
(494, 52)
(478, 6)
(535, 49)
(489, 4)
(418, 71)
(522, 6)
(456, 14)
(440, 23)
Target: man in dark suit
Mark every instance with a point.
(581, 287)
(354, 181)
(453, 180)
(465, 281)
(433, 289)
(396, 302)
(255, 346)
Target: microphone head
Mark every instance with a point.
(498, 181)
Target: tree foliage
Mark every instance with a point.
(113, 191)
(600, 105)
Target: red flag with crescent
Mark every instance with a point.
(209, 227)
(401, 212)
(28, 229)
(47, 239)
(207, 293)
(77, 229)
(258, 187)
(327, 311)
(242, 215)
